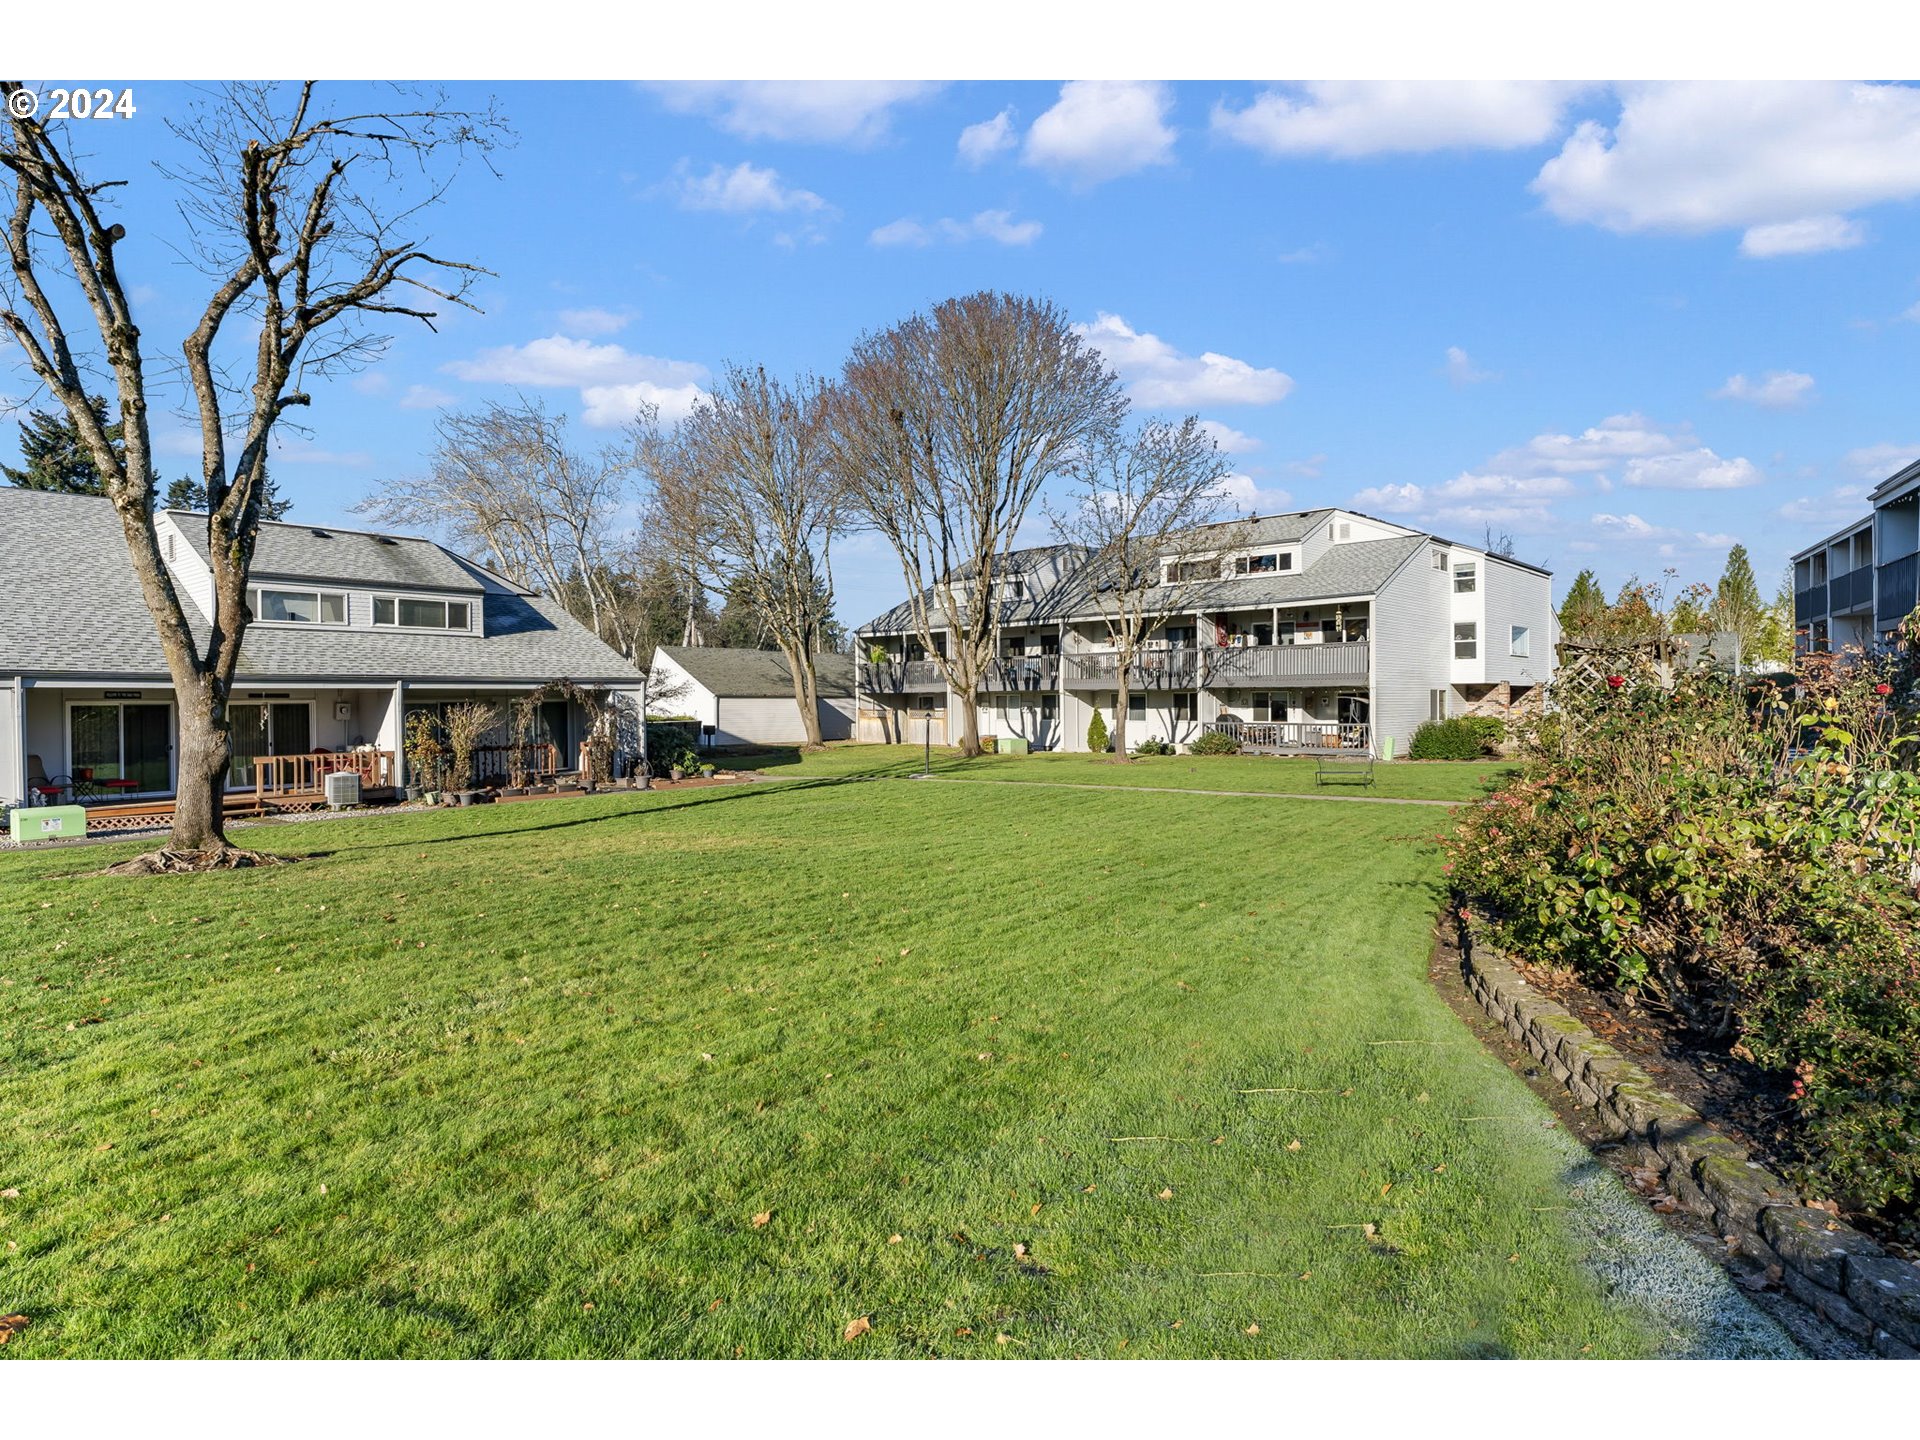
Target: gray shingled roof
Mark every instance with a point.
(356, 557)
(69, 604)
(757, 673)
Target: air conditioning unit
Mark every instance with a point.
(343, 788)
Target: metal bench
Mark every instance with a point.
(1343, 769)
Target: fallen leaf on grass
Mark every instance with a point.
(1166, 1194)
(1019, 1252)
(1087, 1189)
(1386, 1187)
(855, 1329)
(1036, 1208)
(1003, 1339)
(713, 1307)
(1293, 1144)
(893, 1240)
(762, 1218)
(10, 1325)
(1440, 1169)
(964, 1330)
(12, 1194)
(1176, 1324)
(1253, 1329)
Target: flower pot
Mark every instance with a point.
(411, 792)
(676, 773)
(514, 790)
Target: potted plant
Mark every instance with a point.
(467, 723)
(706, 772)
(426, 756)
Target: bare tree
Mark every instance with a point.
(1144, 508)
(745, 487)
(504, 483)
(946, 427)
(303, 218)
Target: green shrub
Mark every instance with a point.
(1215, 742)
(1455, 739)
(989, 744)
(1155, 747)
(1097, 738)
(1747, 863)
(1489, 730)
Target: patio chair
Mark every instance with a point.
(42, 788)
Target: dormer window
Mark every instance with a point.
(1183, 570)
(409, 613)
(299, 607)
(1269, 562)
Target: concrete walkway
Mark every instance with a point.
(1178, 790)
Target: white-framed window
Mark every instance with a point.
(1465, 580)
(410, 612)
(1466, 640)
(1137, 706)
(1520, 641)
(277, 606)
(1436, 705)
(1267, 562)
(1178, 571)
(1439, 559)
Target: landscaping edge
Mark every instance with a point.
(1826, 1264)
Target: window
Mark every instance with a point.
(1183, 705)
(1521, 641)
(1439, 559)
(1346, 530)
(1269, 705)
(1464, 579)
(1194, 570)
(1466, 640)
(421, 614)
(1136, 706)
(1256, 564)
(300, 607)
(1436, 705)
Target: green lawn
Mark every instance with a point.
(1405, 780)
(516, 1081)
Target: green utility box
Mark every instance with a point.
(47, 822)
(1010, 745)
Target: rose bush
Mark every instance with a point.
(1742, 854)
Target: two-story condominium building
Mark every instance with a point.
(1318, 629)
(1854, 587)
(352, 632)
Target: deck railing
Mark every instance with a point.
(1022, 672)
(1323, 662)
(1171, 669)
(896, 677)
(498, 762)
(1303, 735)
(278, 775)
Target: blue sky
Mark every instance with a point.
(1625, 324)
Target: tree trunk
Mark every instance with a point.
(806, 695)
(1118, 735)
(969, 727)
(206, 745)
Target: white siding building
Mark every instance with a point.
(746, 696)
(1323, 629)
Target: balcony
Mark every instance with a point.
(1022, 673)
(1809, 605)
(1337, 662)
(1152, 670)
(902, 677)
(1283, 737)
(1851, 590)
(1896, 595)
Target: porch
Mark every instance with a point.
(1295, 737)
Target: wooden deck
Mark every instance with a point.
(239, 805)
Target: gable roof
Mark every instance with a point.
(71, 606)
(757, 674)
(350, 557)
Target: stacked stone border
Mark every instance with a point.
(1832, 1268)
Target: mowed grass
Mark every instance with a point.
(517, 1081)
(1266, 774)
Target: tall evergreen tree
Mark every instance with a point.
(187, 493)
(1737, 605)
(1584, 606)
(56, 457)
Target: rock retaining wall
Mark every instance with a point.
(1831, 1267)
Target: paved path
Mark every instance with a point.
(1179, 790)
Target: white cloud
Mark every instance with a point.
(1595, 449)
(982, 142)
(1775, 390)
(1838, 506)
(1102, 129)
(1697, 469)
(1665, 541)
(1351, 118)
(744, 190)
(1877, 462)
(1460, 369)
(1391, 499)
(1161, 377)
(305, 452)
(425, 397)
(1471, 500)
(1802, 237)
(593, 321)
(1249, 497)
(995, 225)
(1230, 440)
(1783, 161)
(613, 381)
(841, 112)
(1310, 467)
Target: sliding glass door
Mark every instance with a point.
(117, 741)
(280, 729)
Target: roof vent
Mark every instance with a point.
(385, 540)
(319, 534)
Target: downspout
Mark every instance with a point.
(18, 780)
(400, 734)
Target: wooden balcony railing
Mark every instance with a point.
(1172, 669)
(279, 775)
(1022, 672)
(896, 677)
(1301, 735)
(1342, 662)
